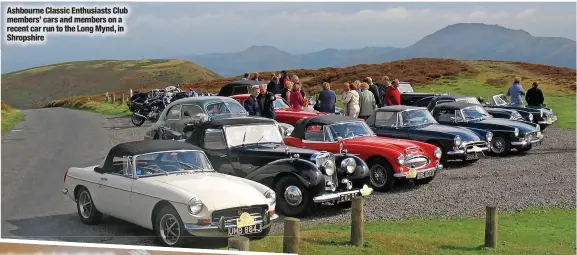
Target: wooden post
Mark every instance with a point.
(122, 98)
(113, 98)
(131, 93)
(239, 243)
(357, 216)
(107, 97)
(491, 227)
(291, 236)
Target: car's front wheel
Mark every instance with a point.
(169, 228)
(86, 209)
(381, 174)
(500, 146)
(293, 198)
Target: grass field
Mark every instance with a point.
(95, 104)
(10, 117)
(532, 231)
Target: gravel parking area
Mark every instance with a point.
(545, 176)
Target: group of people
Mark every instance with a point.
(533, 96)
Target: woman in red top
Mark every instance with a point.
(393, 96)
(296, 99)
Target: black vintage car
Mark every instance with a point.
(544, 116)
(510, 114)
(253, 148)
(410, 97)
(238, 87)
(507, 134)
(417, 123)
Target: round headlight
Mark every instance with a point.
(349, 164)
(489, 136)
(541, 112)
(270, 197)
(458, 141)
(531, 117)
(329, 167)
(401, 159)
(194, 206)
(438, 152)
(516, 132)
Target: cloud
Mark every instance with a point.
(526, 13)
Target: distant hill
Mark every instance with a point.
(35, 87)
(463, 41)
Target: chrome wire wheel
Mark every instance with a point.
(293, 196)
(85, 203)
(378, 176)
(169, 229)
(498, 145)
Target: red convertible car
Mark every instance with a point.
(388, 159)
(283, 112)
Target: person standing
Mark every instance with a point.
(393, 96)
(534, 96)
(295, 80)
(351, 101)
(515, 91)
(296, 99)
(327, 99)
(367, 102)
(285, 94)
(383, 88)
(266, 102)
(274, 86)
(245, 77)
(375, 90)
(255, 77)
(283, 78)
(251, 103)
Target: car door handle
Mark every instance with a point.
(223, 156)
(104, 179)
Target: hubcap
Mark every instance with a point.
(498, 145)
(169, 229)
(85, 204)
(293, 195)
(378, 176)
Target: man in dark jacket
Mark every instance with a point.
(274, 86)
(534, 96)
(251, 103)
(266, 102)
(283, 79)
(375, 90)
(327, 99)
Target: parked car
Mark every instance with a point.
(507, 134)
(253, 148)
(238, 87)
(171, 188)
(283, 112)
(388, 159)
(543, 116)
(417, 123)
(180, 117)
(410, 97)
(495, 112)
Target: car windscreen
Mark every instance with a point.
(171, 162)
(220, 108)
(413, 118)
(280, 103)
(252, 134)
(474, 112)
(470, 100)
(405, 87)
(350, 129)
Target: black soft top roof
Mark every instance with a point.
(454, 105)
(300, 127)
(198, 132)
(243, 83)
(396, 108)
(149, 146)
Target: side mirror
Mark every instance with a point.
(98, 169)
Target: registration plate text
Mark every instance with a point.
(346, 197)
(426, 174)
(257, 228)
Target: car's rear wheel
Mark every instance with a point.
(500, 146)
(293, 199)
(169, 228)
(381, 174)
(86, 209)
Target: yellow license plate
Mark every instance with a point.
(538, 134)
(549, 121)
(412, 173)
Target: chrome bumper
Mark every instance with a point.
(461, 152)
(525, 142)
(549, 122)
(213, 229)
(334, 196)
(404, 174)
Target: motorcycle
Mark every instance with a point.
(148, 109)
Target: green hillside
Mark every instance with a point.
(35, 87)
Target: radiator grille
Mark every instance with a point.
(232, 214)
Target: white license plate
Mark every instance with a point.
(427, 174)
(257, 228)
(471, 156)
(346, 197)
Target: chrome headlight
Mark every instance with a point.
(329, 167)
(401, 159)
(438, 152)
(541, 112)
(489, 136)
(194, 206)
(270, 197)
(531, 117)
(458, 141)
(349, 164)
(516, 132)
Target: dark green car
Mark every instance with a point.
(543, 116)
(507, 134)
(189, 111)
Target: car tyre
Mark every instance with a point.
(379, 168)
(291, 186)
(443, 154)
(137, 120)
(166, 225)
(86, 209)
(500, 145)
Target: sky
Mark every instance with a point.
(157, 30)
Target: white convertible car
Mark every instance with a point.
(171, 188)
